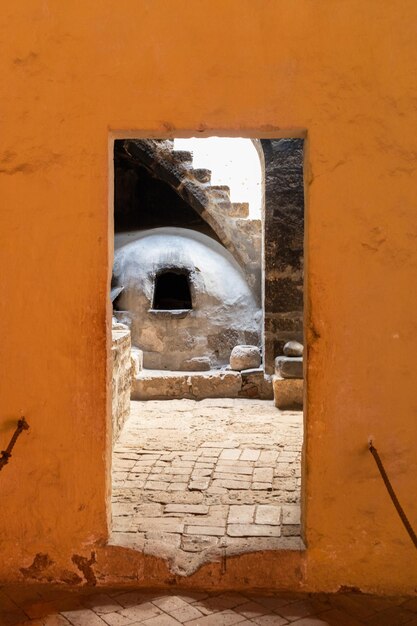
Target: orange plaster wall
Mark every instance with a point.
(343, 70)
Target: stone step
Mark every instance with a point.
(221, 188)
(249, 225)
(202, 175)
(221, 195)
(183, 156)
(166, 384)
(239, 209)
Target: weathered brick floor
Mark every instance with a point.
(194, 481)
(50, 606)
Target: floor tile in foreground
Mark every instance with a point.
(39, 605)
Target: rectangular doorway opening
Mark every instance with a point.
(207, 346)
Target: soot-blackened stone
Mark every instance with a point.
(289, 367)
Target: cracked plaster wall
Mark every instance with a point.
(344, 72)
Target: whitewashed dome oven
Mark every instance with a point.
(184, 297)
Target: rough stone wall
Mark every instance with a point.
(283, 245)
(121, 378)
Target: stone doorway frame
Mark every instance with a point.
(256, 135)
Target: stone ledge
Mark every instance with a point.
(170, 313)
(119, 335)
(289, 366)
(168, 385)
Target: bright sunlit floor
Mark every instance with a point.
(195, 479)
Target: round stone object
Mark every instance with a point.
(293, 348)
(245, 358)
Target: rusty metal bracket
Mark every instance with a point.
(392, 494)
(7, 453)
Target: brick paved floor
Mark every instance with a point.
(50, 606)
(193, 481)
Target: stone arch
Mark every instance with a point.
(241, 237)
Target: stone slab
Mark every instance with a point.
(256, 384)
(253, 530)
(216, 384)
(268, 514)
(241, 514)
(194, 509)
(289, 366)
(288, 393)
(197, 364)
(199, 385)
(291, 514)
(215, 531)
